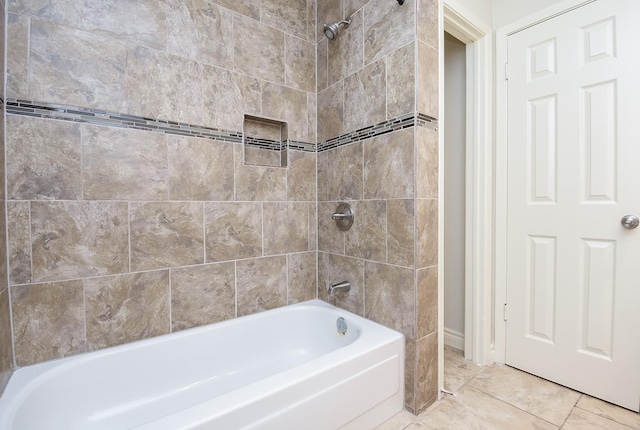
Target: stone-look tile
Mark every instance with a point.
(334, 268)
(428, 22)
(262, 157)
(322, 176)
(139, 22)
(311, 20)
(398, 422)
(44, 159)
(330, 238)
(609, 411)
(427, 162)
(79, 239)
(17, 56)
(19, 226)
(427, 310)
(165, 86)
(387, 27)
(301, 178)
(201, 31)
(427, 387)
(125, 308)
(390, 297)
(250, 8)
(258, 183)
(4, 270)
(227, 96)
(400, 232)
(479, 411)
(123, 164)
(345, 51)
(289, 16)
(539, 397)
(410, 375)
(302, 270)
(67, 12)
(322, 66)
(312, 114)
(202, 295)
(300, 63)
(261, 284)
(233, 231)
(345, 172)
(313, 226)
(367, 237)
(427, 233)
(48, 321)
(331, 112)
(75, 67)
(200, 169)
(427, 81)
(366, 101)
(328, 11)
(166, 234)
(289, 105)
(583, 420)
(6, 344)
(286, 227)
(352, 6)
(401, 98)
(258, 50)
(457, 370)
(389, 166)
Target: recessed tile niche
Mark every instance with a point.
(265, 142)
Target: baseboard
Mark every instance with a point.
(454, 339)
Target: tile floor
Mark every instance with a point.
(500, 397)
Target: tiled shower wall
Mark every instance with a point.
(374, 82)
(120, 232)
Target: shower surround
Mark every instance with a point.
(119, 230)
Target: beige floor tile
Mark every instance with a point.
(398, 422)
(584, 420)
(609, 411)
(474, 410)
(457, 370)
(537, 396)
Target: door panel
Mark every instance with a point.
(573, 284)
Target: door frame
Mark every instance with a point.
(501, 159)
(478, 39)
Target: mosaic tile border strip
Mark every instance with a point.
(115, 119)
(393, 124)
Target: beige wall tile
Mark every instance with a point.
(387, 27)
(288, 105)
(390, 297)
(48, 321)
(311, 20)
(351, 6)
(200, 169)
(427, 162)
(44, 159)
(345, 172)
(286, 227)
(125, 308)
(19, 223)
(289, 16)
(67, 12)
(301, 177)
(300, 63)
(123, 164)
(140, 22)
(201, 31)
(345, 52)
(365, 103)
(334, 268)
(330, 238)
(410, 375)
(367, 237)
(302, 271)
(427, 81)
(250, 8)
(427, 233)
(427, 309)
(389, 166)
(78, 239)
(17, 56)
(6, 344)
(322, 66)
(165, 86)
(258, 49)
(400, 232)
(262, 157)
(401, 83)
(313, 226)
(261, 284)
(233, 231)
(202, 295)
(76, 67)
(322, 169)
(166, 234)
(426, 372)
(312, 115)
(427, 19)
(257, 183)
(331, 112)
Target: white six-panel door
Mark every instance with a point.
(573, 271)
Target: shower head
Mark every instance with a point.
(331, 30)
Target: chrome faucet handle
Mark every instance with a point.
(343, 216)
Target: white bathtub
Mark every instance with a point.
(287, 368)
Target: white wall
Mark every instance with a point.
(481, 9)
(454, 182)
(507, 11)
